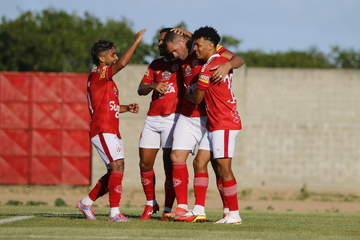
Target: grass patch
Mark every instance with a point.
(68, 223)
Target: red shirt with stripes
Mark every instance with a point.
(221, 105)
(191, 67)
(103, 100)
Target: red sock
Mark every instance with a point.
(101, 187)
(181, 181)
(201, 182)
(115, 188)
(230, 193)
(148, 183)
(169, 191)
(220, 187)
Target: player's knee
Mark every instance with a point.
(178, 157)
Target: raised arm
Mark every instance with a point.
(126, 57)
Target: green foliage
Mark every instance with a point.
(14, 203)
(229, 41)
(304, 194)
(312, 58)
(33, 203)
(59, 202)
(55, 41)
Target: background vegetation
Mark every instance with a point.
(56, 41)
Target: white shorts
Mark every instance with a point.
(221, 143)
(158, 131)
(188, 132)
(109, 147)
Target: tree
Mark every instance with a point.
(345, 58)
(55, 41)
(312, 58)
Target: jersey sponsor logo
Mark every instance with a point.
(114, 107)
(175, 67)
(103, 72)
(96, 70)
(188, 71)
(204, 79)
(165, 76)
(147, 73)
(118, 189)
(176, 182)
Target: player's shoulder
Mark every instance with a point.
(216, 60)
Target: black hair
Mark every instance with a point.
(208, 33)
(99, 47)
(165, 30)
(171, 36)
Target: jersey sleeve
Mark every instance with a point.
(204, 78)
(149, 74)
(220, 49)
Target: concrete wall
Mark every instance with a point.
(300, 127)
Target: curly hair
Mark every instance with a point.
(99, 47)
(208, 33)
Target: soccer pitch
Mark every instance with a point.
(43, 222)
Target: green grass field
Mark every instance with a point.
(46, 222)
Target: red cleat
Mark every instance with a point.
(148, 211)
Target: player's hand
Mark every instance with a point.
(182, 31)
(220, 71)
(188, 95)
(161, 87)
(139, 35)
(133, 108)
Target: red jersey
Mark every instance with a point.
(191, 67)
(103, 99)
(219, 98)
(162, 70)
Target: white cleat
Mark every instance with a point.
(228, 220)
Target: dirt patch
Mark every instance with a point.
(248, 199)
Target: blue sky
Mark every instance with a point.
(268, 25)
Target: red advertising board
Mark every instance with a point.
(44, 122)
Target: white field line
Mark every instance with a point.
(19, 218)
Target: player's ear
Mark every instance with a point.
(101, 58)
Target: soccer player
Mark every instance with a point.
(163, 79)
(223, 123)
(190, 126)
(105, 108)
